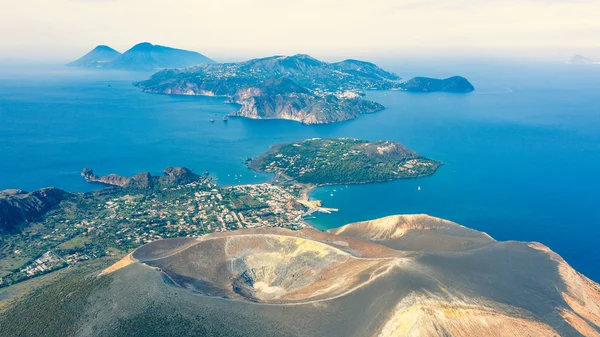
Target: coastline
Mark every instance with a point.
(228, 99)
(317, 205)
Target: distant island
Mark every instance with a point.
(100, 57)
(581, 60)
(343, 161)
(225, 79)
(141, 57)
(426, 84)
(298, 87)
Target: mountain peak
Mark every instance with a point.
(144, 56)
(142, 46)
(103, 48)
(357, 62)
(96, 58)
(303, 56)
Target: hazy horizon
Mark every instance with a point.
(239, 29)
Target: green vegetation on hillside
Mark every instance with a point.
(65, 298)
(225, 79)
(344, 161)
(425, 84)
(298, 87)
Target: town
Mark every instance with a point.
(115, 221)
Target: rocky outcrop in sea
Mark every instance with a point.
(143, 180)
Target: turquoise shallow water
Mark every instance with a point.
(521, 154)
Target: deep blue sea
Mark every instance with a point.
(521, 153)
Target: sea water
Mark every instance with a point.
(521, 154)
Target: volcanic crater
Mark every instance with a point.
(277, 267)
(402, 275)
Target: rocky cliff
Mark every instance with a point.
(143, 180)
(283, 99)
(298, 87)
(18, 207)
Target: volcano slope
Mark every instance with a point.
(406, 275)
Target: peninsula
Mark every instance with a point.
(343, 161)
(172, 176)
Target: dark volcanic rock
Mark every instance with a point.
(177, 176)
(173, 176)
(143, 180)
(18, 207)
(109, 179)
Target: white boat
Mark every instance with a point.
(419, 188)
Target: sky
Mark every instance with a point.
(234, 29)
